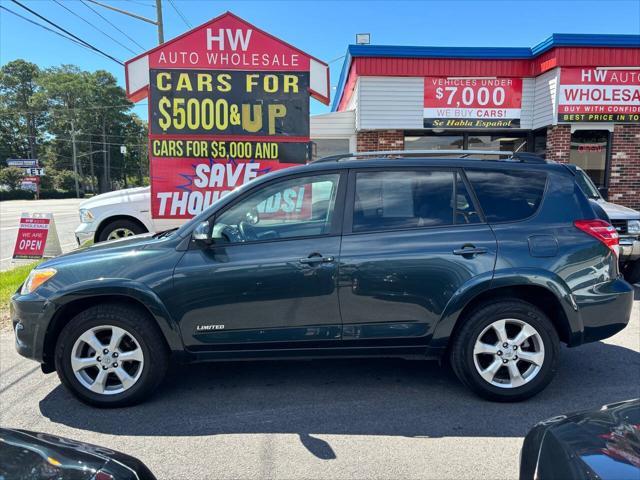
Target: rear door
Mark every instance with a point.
(412, 238)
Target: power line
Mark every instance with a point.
(64, 109)
(92, 25)
(148, 5)
(66, 31)
(184, 19)
(110, 23)
(46, 28)
(98, 142)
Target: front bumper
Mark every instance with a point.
(85, 233)
(604, 309)
(30, 317)
(629, 249)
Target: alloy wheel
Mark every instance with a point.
(107, 360)
(508, 353)
(120, 233)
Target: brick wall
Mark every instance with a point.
(559, 143)
(380, 140)
(624, 183)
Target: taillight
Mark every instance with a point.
(102, 475)
(603, 231)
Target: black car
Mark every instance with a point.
(41, 456)
(601, 444)
(489, 263)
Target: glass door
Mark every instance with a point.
(590, 151)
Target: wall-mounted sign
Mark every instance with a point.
(599, 95)
(37, 237)
(227, 102)
(472, 102)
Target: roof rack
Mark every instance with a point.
(511, 156)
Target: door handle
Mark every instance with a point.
(470, 251)
(315, 260)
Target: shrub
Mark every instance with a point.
(12, 177)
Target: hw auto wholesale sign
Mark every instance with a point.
(227, 103)
(472, 102)
(599, 95)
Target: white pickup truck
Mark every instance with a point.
(126, 212)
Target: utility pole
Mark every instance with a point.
(75, 159)
(159, 22)
(105, 166)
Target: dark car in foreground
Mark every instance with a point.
(488, 263)
(41, 456)
(602, 444)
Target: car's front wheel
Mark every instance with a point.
(111, 355)
(506, 351)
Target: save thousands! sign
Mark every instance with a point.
(227, 102)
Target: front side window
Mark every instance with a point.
(508, 195)
(296, 207)
(409, 199)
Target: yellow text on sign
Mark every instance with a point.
(216, 114)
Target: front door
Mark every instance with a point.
(269, 278)
(413, 239)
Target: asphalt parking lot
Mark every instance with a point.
(374, 419)
(65, 213)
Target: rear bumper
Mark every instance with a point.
(604, 309)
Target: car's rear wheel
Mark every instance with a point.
(506, 351)
(111, 355)
(120, 228)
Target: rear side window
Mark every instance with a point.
(508, 195)
(407, 199)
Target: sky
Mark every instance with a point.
(320, 28)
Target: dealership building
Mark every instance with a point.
(573, 98)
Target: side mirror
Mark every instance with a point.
(202, 233)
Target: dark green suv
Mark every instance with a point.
(489, 263)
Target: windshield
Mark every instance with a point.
(587, 186)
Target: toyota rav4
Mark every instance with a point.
(487, 263)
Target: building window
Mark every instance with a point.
(509, 143)
(540, 142)
(435, 142)
(325, 147)
(589, 151)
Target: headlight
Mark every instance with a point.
(633, 226)
(86, 216)
(37, 277)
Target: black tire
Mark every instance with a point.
(120, 224)
(632, 272)
(462, 356)
(140, 326)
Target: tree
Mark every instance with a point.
(12, 177)
(22, 113)
(65, 180)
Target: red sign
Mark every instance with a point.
(227, 102)
(32, 238)
(472, 102)
(184, 186)
(229, 44)
(599, 95)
